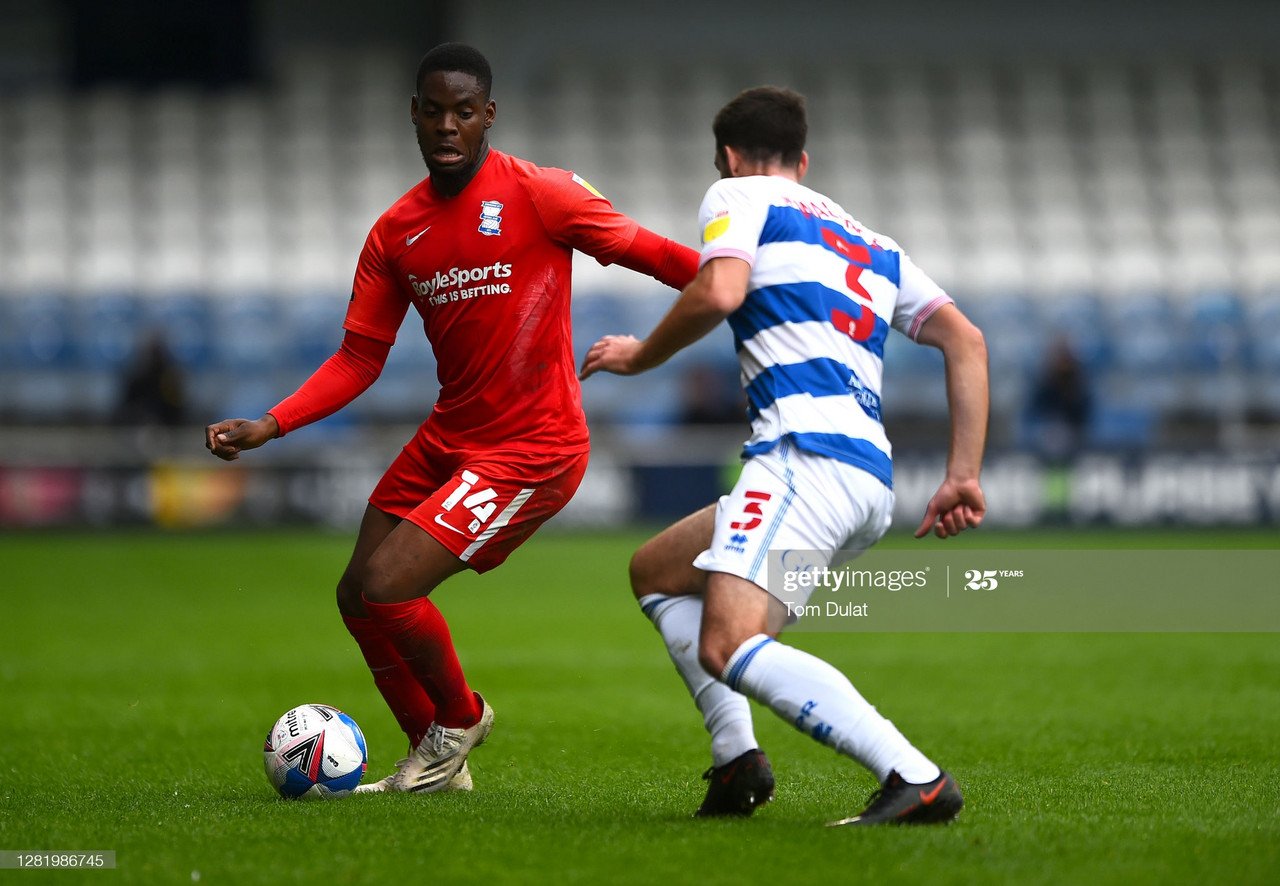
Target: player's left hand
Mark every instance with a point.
(956, 506)
(613, 353)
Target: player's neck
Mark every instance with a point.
(452, 184)
(777, 170)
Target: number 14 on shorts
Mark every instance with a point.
(480, 502)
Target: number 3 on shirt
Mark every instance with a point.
(861, 327)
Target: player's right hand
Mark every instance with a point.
(612, 353)
(228, 438)
(956, 506)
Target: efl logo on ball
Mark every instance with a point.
(315, 750)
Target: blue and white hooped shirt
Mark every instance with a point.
(810, 335)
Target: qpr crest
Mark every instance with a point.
(490, 218)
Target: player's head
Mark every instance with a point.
(458, 58)
(762, 127)
(452, 112)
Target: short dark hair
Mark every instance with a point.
(456, 57)
(764, 123)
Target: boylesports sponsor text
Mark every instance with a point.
(450, 285)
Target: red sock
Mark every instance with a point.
(421, 636)
(402, 692)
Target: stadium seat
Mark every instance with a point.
(1080, 320)
(44, 334)
(314, 324)
(184, 321)
(412, 350)
(248, 334)
(1153, 337)
(400, 394)
(9, 334)
(1127, 428)
(1217, 332)
(596, 314)
(1264, 328)
(1015, 337)
(110, 328)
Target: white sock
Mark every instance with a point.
(820, 701)
(726, 713)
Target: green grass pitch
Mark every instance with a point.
(140, 672)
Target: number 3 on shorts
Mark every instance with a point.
(753, 510)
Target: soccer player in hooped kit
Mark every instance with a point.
(482, 250)
(810, 295)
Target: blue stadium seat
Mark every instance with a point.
(240, 393)
(1152, 337)
(403, 394)
(1129, 428)
(412, 352)
(1083, 322)
(907, 358)
(1013, 329)
(185, 321)
(596, 314)
(38, 375)
(1264, 330)
(8, 334)
(248, 333)
(651, 398)
(314, 324)
(44, 332)
(110, 329)
(1217, 332)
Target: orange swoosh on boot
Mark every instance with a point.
(928, 798)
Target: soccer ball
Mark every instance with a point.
(315, 750)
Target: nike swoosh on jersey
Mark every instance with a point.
(409, 241)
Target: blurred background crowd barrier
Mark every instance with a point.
(184, 190)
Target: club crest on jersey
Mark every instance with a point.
(490, 218)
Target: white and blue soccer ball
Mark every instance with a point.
(315, 750)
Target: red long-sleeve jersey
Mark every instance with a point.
(488, 270)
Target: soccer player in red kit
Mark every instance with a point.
(482, 250)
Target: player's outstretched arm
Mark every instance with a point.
(959, 503)
(664, 260)
(342, 378)
(228, 438)
(716, 292)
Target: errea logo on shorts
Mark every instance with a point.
(447, 286)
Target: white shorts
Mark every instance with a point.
(810, 508)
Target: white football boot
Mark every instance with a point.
(460, 782)
(442, 755)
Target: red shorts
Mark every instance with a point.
(480, 505)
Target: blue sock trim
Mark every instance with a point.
(655, 600)
(740, 666)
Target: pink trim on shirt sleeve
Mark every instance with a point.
(727, 252)
(928, 311)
